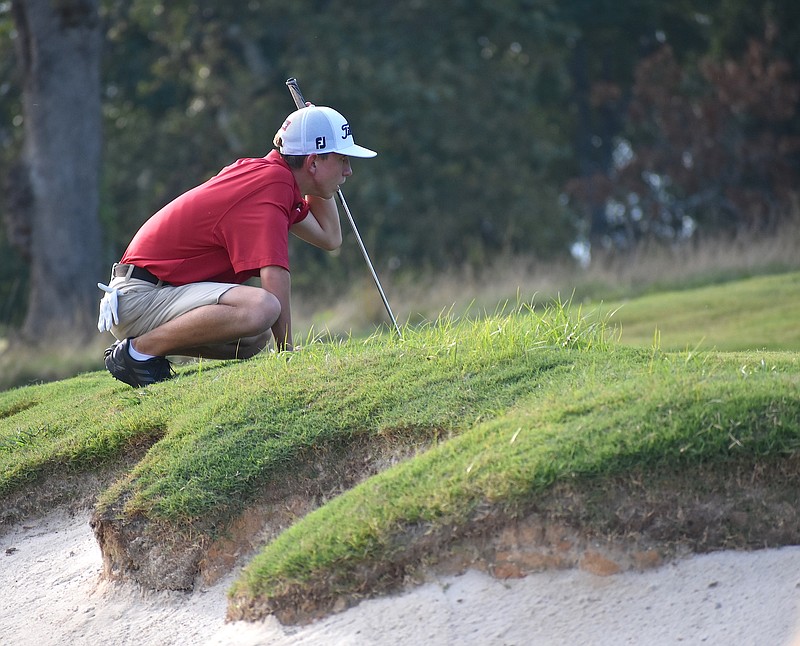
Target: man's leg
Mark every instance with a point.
(243, 348)
(235, 327)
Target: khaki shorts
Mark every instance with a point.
(144, 306)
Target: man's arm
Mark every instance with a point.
(278, 282)
(321, 227)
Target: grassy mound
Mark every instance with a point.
(352, 464)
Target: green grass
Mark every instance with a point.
(756, 313)
(494, 410)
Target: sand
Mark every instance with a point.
(52, 592)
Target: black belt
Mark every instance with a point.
(139, 273)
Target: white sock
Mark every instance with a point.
(136, 355)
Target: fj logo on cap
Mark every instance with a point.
(346, 130)
(321, 143)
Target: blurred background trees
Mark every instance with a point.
(52, 186)
(504, 127)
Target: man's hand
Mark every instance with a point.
(321, 227)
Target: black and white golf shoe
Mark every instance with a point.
(135, 373)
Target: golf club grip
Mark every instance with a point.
(297, 95)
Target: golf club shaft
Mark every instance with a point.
(300, 102)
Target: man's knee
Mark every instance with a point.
(256, 309)
(264, 310)
(272, 307)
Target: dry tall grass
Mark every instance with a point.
(610, 275)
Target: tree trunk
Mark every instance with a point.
(59, 48)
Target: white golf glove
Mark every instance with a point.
(108, 309)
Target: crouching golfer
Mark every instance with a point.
(178, 288)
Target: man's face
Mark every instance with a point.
(330, 172)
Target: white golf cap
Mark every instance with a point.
(318, 130)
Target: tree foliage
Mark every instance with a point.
(716, 146)
(713, 146)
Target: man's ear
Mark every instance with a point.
(311, 163)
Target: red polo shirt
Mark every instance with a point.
(226, 229)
